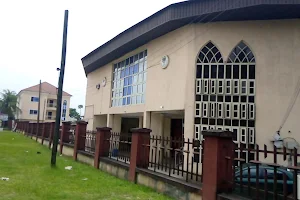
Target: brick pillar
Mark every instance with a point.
(102, 144)
(218, 146)
(80, 134)
(43, 131)
(139, 155)
(51, 133)
(65, 134)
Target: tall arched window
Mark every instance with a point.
(64, 111)
(225, 92)
(241, 62)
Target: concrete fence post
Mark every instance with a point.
(65, 135)
(80, 134)
(51, 133)
(218, 170)
(102, 144)
(139, 154)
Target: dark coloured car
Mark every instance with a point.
(261, 178)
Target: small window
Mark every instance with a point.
(33, 112)
(243, 135)
(34, 99)
(220, 110)
(197, 132)
(228, 87)
(227, 110)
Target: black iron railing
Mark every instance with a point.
(176, 157)
(90, 141)
(270, 174)
(120, 146)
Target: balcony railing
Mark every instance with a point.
(49, 117)
(51, 105)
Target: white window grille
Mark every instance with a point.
(220, 86)
(205, 109)
(236, 87)
(252, 87)
(243, 87)
(251, 111)
(235, 111)
(227, 110)
(197, 131)
(198, 110)
(243, 111)
(212, 110)
(228, 87)
(251, 133)
(205, 86)
(198, 86)
(235, 131)
(244, 135)
(213, 86)
(220, 110)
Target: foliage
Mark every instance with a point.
(74, 114)
(80, 107)
(31, 176)
(8, 103)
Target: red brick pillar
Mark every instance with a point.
(80, 134)
(102, 144)
(65, 134)
(139, 154)
(218, 170)
(51, 133)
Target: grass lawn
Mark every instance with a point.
(31, 177)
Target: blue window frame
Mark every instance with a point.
(33, 112)
(129, 80)
(34, 99)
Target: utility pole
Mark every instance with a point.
(60, 87)
(39, 109)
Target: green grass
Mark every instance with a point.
(31, 176)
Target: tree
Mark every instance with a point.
(74, 114)
(8, 103)
(80, 107)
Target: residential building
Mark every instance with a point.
(196, 65)
(28, 99)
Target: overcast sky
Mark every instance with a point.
(31, 38)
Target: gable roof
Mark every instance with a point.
(180, 14)
(45, 88)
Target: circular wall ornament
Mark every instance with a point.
(104, 82)
(164, 61)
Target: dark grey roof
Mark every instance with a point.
(183, 13)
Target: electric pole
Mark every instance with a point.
(60, 87)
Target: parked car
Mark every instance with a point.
(261, 178)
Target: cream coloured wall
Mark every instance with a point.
(26, 105)
(275, 44)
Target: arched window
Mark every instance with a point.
(225, 92)
(64, 111)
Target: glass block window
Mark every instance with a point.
(129, 80)
(225, 93)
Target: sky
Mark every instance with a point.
(31, 38)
